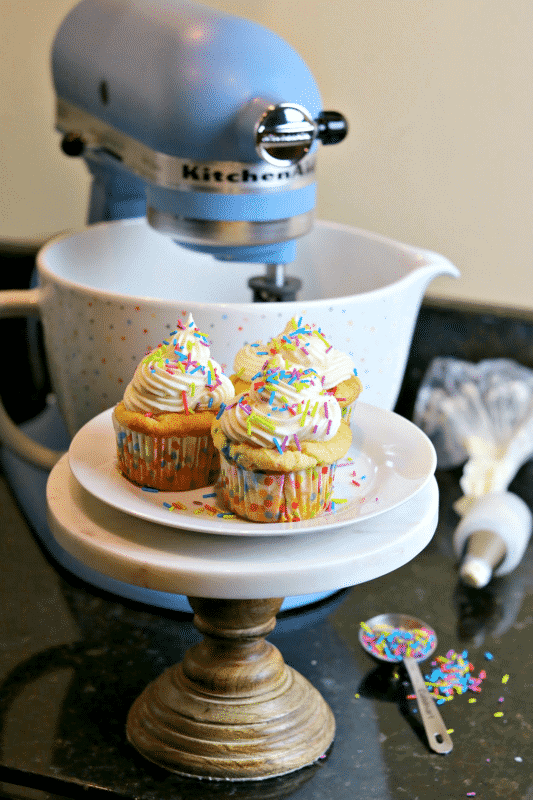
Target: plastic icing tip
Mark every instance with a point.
(475, 572)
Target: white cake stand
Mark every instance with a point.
(232, 709)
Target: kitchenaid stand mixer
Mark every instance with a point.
(206, 123)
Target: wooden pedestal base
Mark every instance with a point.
(232, 709)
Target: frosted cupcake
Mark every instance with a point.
(163, 424)
(303, 347)
(279, 443)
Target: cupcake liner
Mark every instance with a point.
(171, 464)
(276, 496)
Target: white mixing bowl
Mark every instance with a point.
(113, 291)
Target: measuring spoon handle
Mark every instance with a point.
(438, 737)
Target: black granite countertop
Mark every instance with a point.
(73, 659)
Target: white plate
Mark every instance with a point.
(390, 461)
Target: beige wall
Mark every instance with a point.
(440, 101)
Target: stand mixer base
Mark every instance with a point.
(232, 710)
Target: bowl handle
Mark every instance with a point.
(23, 303)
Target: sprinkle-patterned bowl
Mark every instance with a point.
(111, 292)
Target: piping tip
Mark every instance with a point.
(475, 572)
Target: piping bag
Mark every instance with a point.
(481, 415)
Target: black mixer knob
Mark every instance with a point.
(73, 144)
(332, 127)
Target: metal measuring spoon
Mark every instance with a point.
(424, 644)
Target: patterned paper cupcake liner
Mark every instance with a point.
(276, 496)
(171, 464)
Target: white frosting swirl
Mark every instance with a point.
(284, 406)
(179, 376)
(302, 346)
(249, 360)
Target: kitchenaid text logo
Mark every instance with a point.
(246, 175)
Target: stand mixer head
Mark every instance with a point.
(206, 123)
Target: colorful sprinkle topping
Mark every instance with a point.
(394, 644)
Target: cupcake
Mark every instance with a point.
(279, 443)
(303, 347)
(163, 424)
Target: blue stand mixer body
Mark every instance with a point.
(169, 96)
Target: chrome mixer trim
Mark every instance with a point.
(172, 172)
(230, 233)
(284, 134)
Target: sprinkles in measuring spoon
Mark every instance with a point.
(394, 644)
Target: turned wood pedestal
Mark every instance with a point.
(232, 709)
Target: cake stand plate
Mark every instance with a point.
(232, 709)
